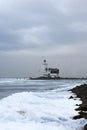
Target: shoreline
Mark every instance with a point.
(81, 92)
(56, 78)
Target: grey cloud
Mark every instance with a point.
(27, 14)
(30, 29)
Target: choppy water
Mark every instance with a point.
(38, 105)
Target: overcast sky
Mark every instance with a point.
(33, 29)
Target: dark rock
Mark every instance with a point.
(85, 127)
(81, 115)
(70, 97)
(77, 104)
(83, 107)
(77, 117)
(81, 92)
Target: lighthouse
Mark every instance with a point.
(45, 66)
(49, 71)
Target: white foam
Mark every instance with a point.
(48, 110)
(33, 111)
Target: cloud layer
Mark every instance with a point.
(52, 28)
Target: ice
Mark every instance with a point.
(30, 111)
(45, 110)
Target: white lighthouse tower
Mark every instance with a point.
(45, 69)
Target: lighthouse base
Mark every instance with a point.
(45, 78)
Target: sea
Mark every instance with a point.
(39, 104)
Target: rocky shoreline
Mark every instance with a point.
(81, 92)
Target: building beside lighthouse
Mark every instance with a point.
(50, 71)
